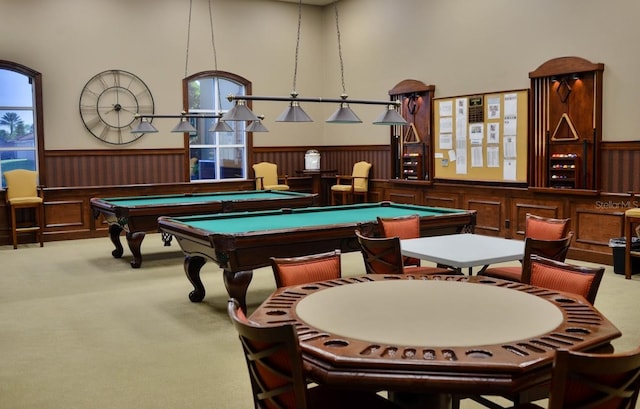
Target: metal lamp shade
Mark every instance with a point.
(390, 117)
(239, 112)
(184, 126)
(344, 115)
(144, 127)
(221, 126)
(256, 126)
(294, 113)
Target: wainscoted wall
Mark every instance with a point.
(621, 165)
(74, 177)
(290, 160)
(620, 160)
(113, 167)
(595, 217)
(130, 166)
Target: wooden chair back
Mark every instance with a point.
(273, 358)
(554, 249)
(560, 276)
(276, 371)
(306, 269)
(583, 380)
(382, 255)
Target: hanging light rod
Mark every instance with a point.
(307, 99)
(294, 112)
(184, 125)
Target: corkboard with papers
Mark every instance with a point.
(482, 137)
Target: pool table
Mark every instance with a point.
(137, 215)
(241, 242)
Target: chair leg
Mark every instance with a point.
(40, 220)
(14, 231)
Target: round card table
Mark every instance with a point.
(465, 335)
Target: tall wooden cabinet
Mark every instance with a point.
(566, 130)
(411, 145)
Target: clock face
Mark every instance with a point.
(109, 104)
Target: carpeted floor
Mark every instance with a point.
(82, 330)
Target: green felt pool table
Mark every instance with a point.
(137, 215)
(241, 242)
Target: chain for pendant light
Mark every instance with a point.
(295, 67)
(215, 56)
(344, 90)
(186, 63)
(213, 39)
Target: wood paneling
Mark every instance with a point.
(114, 167)
(490, 216)
(539, 208)
(596, 217)
(621, 161)
(291, 159)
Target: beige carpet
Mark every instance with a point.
(80, 329)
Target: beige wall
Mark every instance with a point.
(460, 46)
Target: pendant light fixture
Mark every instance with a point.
(344, 114)
(184, 124)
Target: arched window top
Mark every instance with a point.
(216, 155)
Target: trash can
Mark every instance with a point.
(617, 246)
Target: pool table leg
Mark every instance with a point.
(192, 266)
(135, 241)
(114, 235)
(237, 284)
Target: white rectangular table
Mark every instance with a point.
(464, 250)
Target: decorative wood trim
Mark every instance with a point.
(111, 152)
(408, 86)
(564, 66)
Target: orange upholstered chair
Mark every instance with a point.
(404, 227)
(540, 228)
(267, 177)
(556, 275)
(23, 192)
(581, 380)
(553, 249)
(383, 255)
(358, 184)
(306, 269)
(276, 371)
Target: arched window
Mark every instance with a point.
(216, 155)
(21, 133)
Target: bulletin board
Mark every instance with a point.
(482, 137)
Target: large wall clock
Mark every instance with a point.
(109, 103)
